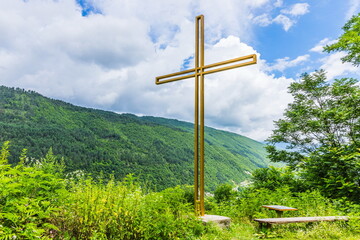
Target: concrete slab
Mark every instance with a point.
(221, 221)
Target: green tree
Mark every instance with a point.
(321, 128)
(224, 193)
(273, 178)
(349, 41)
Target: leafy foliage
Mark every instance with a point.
(349, 41)
(123, 210)
(159, 151)
(28, 199)
(224, 193)
(322, 127)
(321, 114)
(335, 171)
(273, 178)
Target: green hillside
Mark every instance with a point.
(157, 150)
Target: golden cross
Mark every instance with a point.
(198, 73)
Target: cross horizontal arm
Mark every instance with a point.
(212, 68)
(172, 75)
(234, 60)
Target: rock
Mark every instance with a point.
(221, 221)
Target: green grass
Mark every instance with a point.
(247, 231)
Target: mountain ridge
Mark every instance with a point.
(157, 150)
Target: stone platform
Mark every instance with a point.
(221, 221)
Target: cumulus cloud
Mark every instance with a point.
(334, 67)
(332, 63)
(51, 48)
(287, 18)
(263, 20)
(354, 6)
(278, 3)
(285, 21)
(256, 3)
(110, 60)
(320, 46)
(297, 9)
(284, 63)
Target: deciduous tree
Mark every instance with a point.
(321, 128)
(349, 41)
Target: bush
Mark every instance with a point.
(121, 210)
(272, 178)
(224, 193)
(28, 199)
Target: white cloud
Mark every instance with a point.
(353, 8)
(278, 3)
(256, 3)
(297, 9)
(263, 20)
(110, 61)
(334, 67)
(320, 46)
(287, 18)
(284, 63)
(284, 21)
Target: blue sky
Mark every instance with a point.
(324, 19)
(106, 54)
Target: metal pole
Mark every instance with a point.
(196, 124)
(202, 120)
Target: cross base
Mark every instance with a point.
(221, 221)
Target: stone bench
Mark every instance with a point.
(223, 222)
(269, 221)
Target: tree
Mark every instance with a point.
(349, 41)
(224, 193)
(273, 178)
(321, 128)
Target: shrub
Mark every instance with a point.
(224, 193)
(121, 210)
(272, 178)
(28, 199)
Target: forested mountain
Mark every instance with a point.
(157, 150)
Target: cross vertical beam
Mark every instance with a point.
(198, 73)
(196, 120)
(199, 95)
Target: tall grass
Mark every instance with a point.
(121, 210)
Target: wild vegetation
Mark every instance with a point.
(39, 201)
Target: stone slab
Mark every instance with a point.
(221, 221)
(301, 219)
